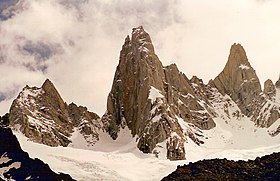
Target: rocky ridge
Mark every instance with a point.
(264, 168)
(42, 116)
(162, 107)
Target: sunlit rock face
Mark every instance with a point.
(240, 81)
(42, 115)
(158, 104)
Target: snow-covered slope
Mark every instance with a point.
(15, 164)
(121, 160)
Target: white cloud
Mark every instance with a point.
(195, 34)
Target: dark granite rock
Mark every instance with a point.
(19, 166)
(264, 168)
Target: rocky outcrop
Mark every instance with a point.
(42, 116)
(156, 103)
(265, 168)
(16, 164)
(87, 123)
(239, 80)
(269, 88)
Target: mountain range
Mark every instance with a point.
(161, 107)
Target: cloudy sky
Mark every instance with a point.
(76, 43)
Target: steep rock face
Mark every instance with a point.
(239, 80)
(16, 164)
(269, 88)
(138, 68)
(87, 123)
(157, 104)
(188, 98)
(42, 115)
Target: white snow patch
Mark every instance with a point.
(156, 118)
(183, 124)
(188, 95)
(3, 170)
(154, 94)
(27, 95)
(28, 178)
(143, 49)
(244, 67)
(78, 140)
(180, 102)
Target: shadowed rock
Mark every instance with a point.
(17, 165)
(265, 168)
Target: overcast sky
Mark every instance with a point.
(76, 43)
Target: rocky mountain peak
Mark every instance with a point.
(269, 88)
(48, 85)
(156, 103)
(238, 64)
(138, 65)
(239, 80)
(52, 96)
(238, 54)
(141, 40)
(42, 115)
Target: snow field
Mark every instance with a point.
(121, 160)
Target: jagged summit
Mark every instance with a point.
(156, 103)
(47, 84)
(141, 40)
(52, 96)
(269, 88)
(238, 54)
(239, 80)
(139, 45)
(237, 60)
(42, 115)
